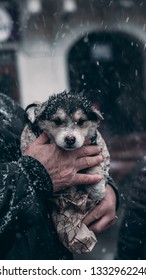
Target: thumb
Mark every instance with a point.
(42, 139)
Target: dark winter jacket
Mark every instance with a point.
(26, 229)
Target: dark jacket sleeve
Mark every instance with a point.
(20, 185)
(115, 189)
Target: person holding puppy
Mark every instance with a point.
(26, 183)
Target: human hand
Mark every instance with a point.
(103, 215)
(63, 166)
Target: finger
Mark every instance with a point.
(101, 225)
(87, 162)
(87, 151)
(92, 216)
(86, 179)
(42, 139)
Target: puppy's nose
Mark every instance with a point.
(70, 140)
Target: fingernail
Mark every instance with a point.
(99, 177)
(100, 158)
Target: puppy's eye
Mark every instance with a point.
(80, 122)
(58, 121)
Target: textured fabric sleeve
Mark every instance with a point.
(20, 183)
(115, 188)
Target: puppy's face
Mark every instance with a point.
(70, 131)
(68, 119)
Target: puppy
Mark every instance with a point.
(70, 120)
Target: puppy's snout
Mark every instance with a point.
(70, 140)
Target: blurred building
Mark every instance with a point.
(58, 39)
(47, 46)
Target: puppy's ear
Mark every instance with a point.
(97, 114)
(34, 110)
(30, 111)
